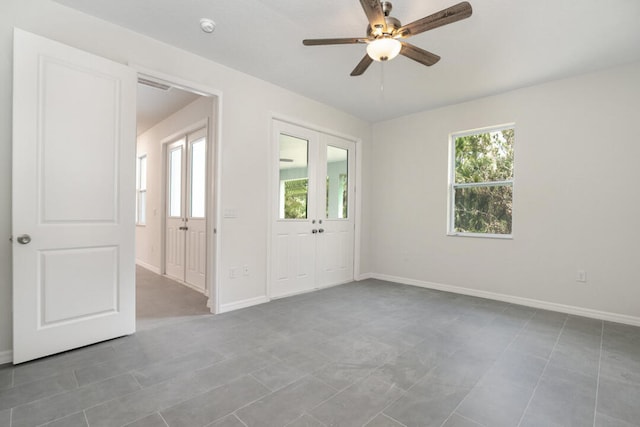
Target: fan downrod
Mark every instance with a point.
(392, 23)
(386, 7)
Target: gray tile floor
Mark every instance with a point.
(160, 300)
(364, 354)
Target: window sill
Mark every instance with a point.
(482, 235)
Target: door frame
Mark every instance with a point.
(272, 172)
(214, 169)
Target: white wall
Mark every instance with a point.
(576, 203)
(149, 236)
(247, 107)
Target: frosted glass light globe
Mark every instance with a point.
(384, 49)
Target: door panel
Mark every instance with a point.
(73, 181)
(196, 265)
(196, 248)
(335, 245)
(175, 236)
(91, 290)
(281, 253)
(64, 141)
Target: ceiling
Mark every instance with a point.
(505, 44)
(154, 105)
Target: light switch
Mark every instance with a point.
(230, 213)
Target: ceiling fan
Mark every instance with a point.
(385, 34)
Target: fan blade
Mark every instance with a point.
(362, 66)
(419, 55)
(319, 42)
(375, 15)
(446, 16)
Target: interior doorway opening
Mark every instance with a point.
(169, 112)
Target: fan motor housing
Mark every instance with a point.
(392, 26)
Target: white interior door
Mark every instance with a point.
(186, 223)
(196, 232)
(313, 230)
(73, 198)
(335, 243)
(294, 197)
(175, 216)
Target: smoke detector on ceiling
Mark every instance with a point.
(207, 25)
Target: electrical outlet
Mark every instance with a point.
(245, 270)
(233, 272)
(581, 276)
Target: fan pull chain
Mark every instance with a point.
(382, 80)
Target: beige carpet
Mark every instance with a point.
(160, 300)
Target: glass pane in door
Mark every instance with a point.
(198, 173)
(175, 182)
(337, 182)
(294, 177)
(142, 208)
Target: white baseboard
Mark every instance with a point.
(545, 305)
(308, 291)
(6, 357)
(364, 276)
(224, 308)
(148, 266)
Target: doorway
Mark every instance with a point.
(185, 124)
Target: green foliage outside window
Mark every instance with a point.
(483, 183)
(345, 196)
(295, 198)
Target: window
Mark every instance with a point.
(198, 177)
(141, 191)
(481, 182)
(337, 183)
(294, 177)
(175, 181)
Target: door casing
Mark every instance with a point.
(214, 165)
(273, 171)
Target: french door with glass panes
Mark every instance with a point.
(185, 234)
(313, 200)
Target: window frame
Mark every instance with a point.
(140, 190)
(452, 186)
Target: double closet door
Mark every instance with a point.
(186, 222)
(313, 210)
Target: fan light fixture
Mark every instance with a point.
(384, 49)
(384, 31)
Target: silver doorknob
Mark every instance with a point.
(23, 239)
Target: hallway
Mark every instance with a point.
(160, 301)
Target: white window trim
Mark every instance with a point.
(452, 185)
